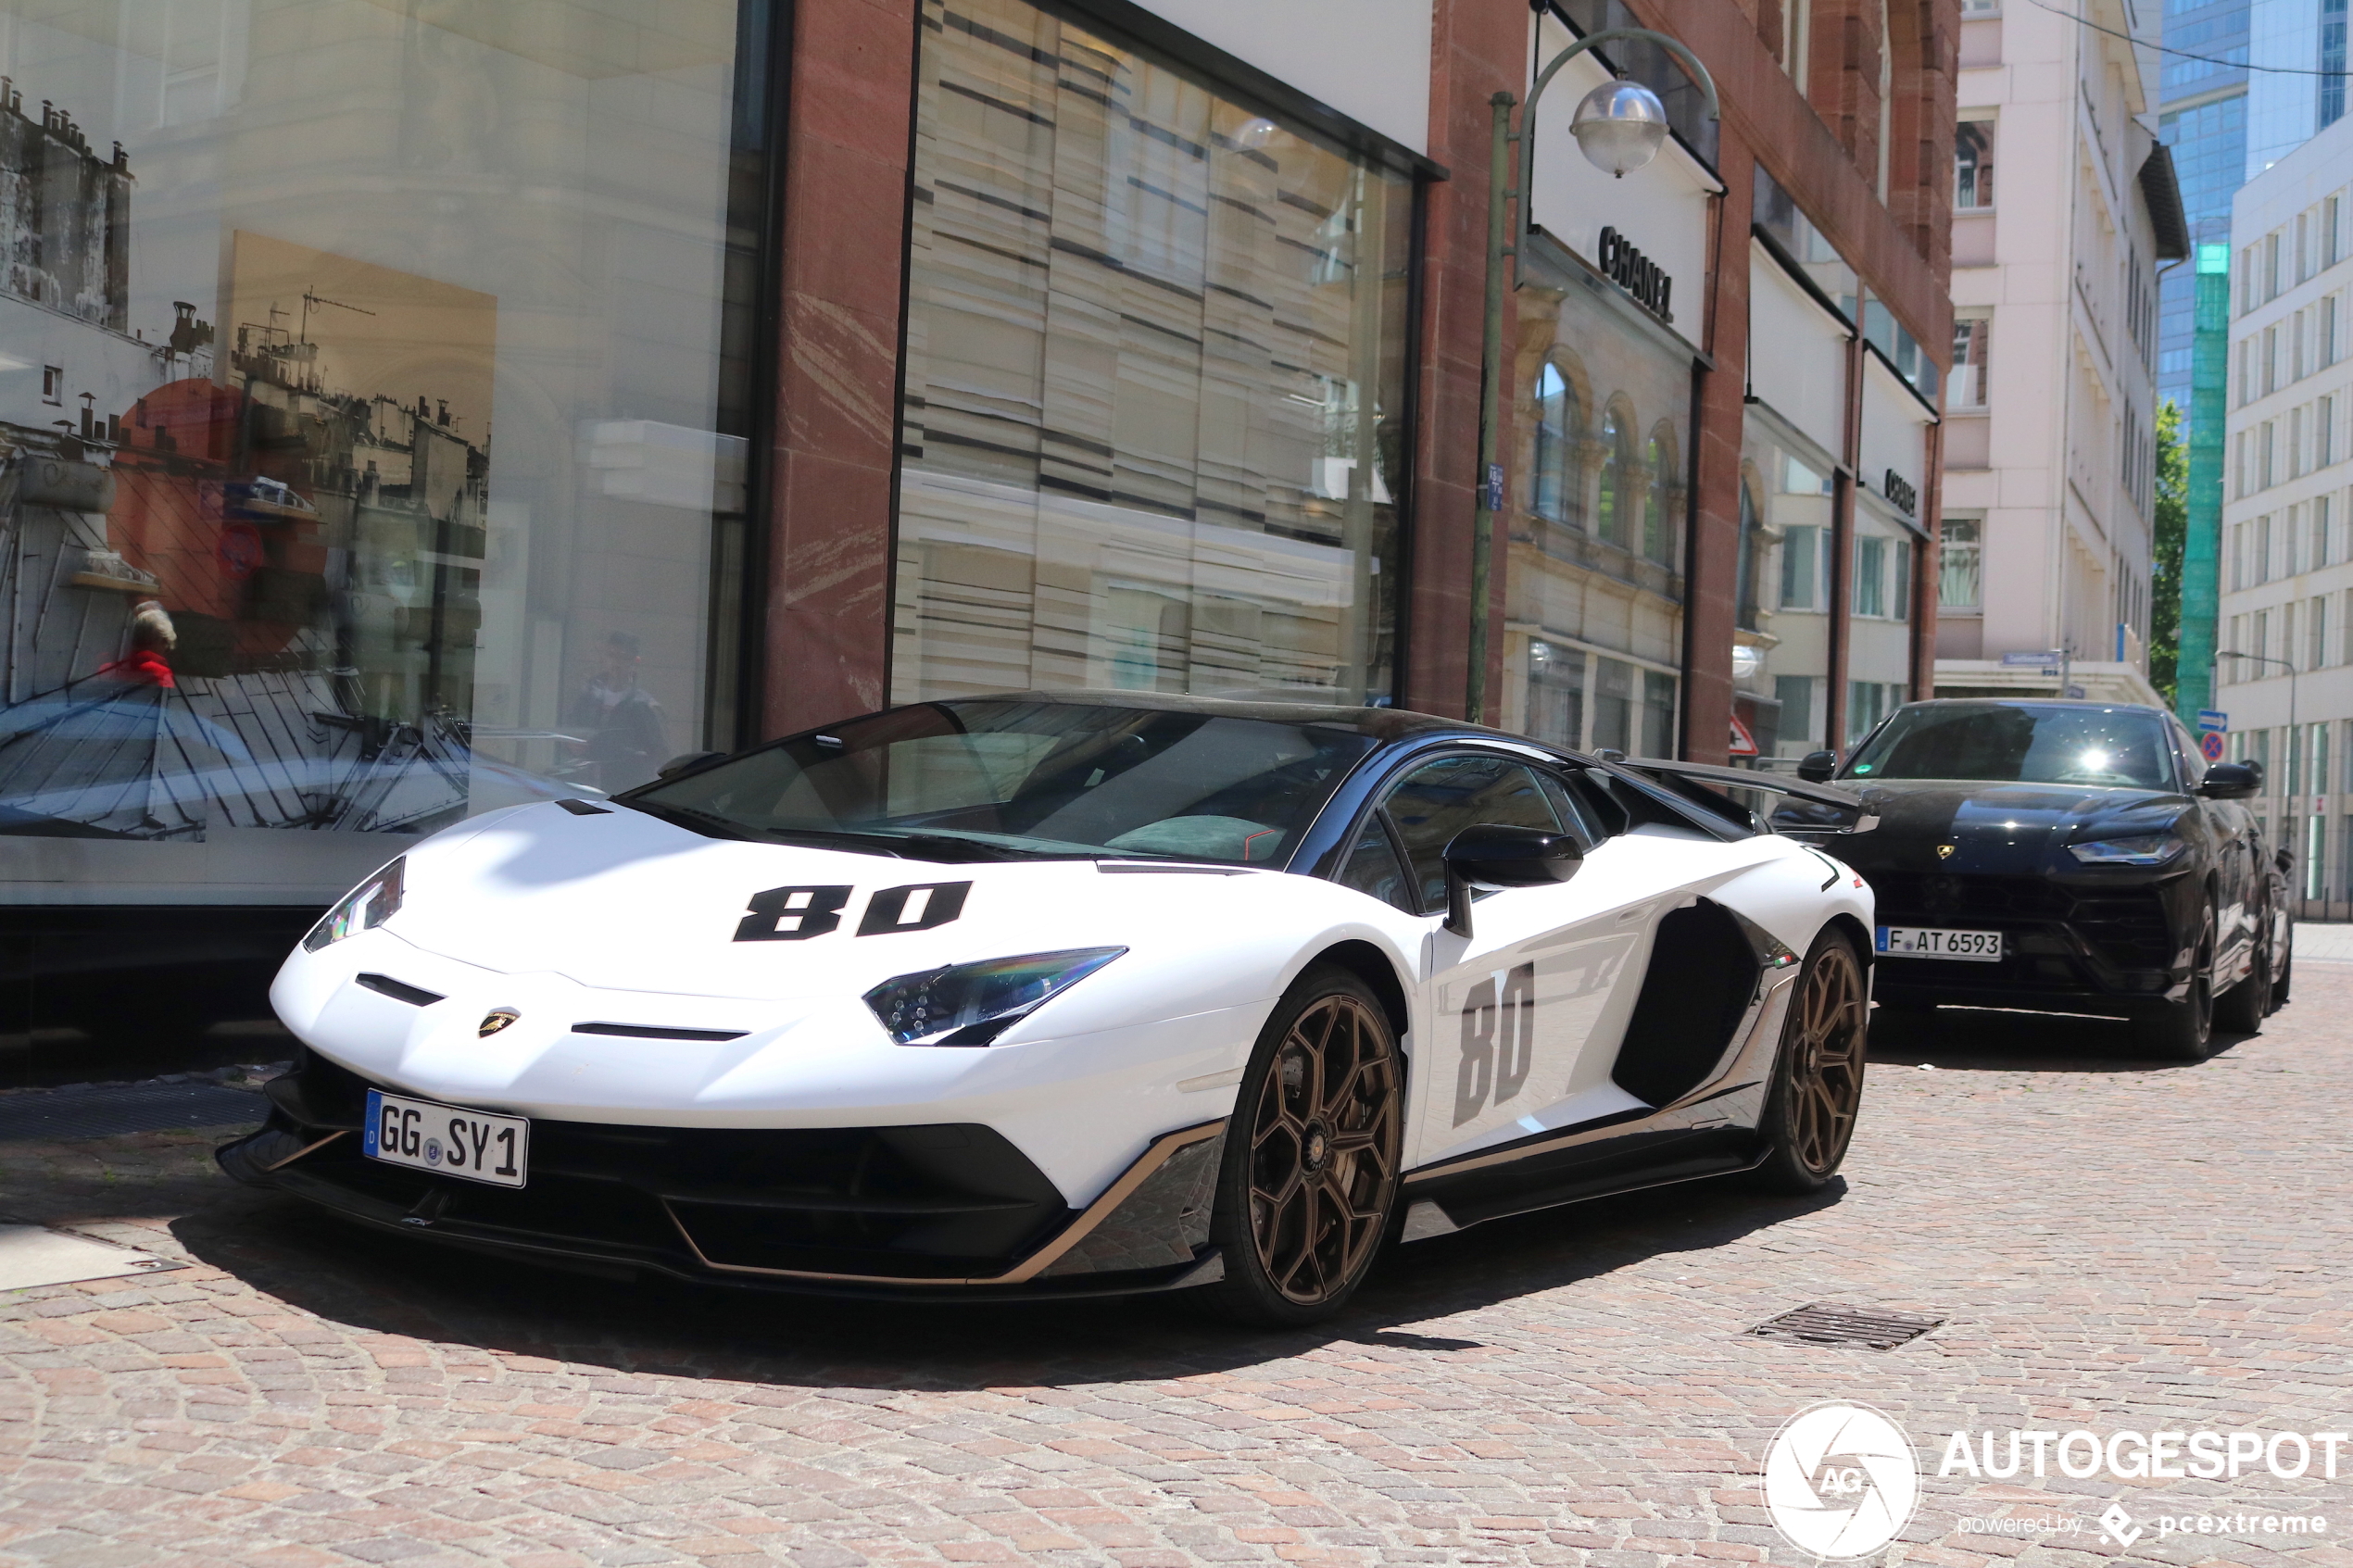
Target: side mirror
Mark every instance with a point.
(688, 762)
(1503, 857)
(2232, 781)
(1816, 767)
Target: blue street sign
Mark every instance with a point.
(2208, 719)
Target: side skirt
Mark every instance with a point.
(1430, 1217)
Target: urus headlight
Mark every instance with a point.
(363, 909)
(2140, 849)
(970, 1003)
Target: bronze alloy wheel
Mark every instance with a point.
(1324, 1148)
(1817, 1085)
(1825, 1051)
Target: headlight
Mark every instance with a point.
(2140, 849)
(970, 1003)
(363, 909)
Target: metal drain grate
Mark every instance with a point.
(1828, 1322)
(133, 1108)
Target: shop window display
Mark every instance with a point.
(389, 443)
(1595, 584)
(1154, 433)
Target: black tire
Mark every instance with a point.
(2287, 969)
(1818, 1076)
(2243, 1007)
(2184, 1031)
(1308, 1182)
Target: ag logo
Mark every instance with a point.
(496, 1019)
(1839, 1480)
(1944, 851)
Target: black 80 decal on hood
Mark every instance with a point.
(795, 914)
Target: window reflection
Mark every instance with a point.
(372, 471)
(1152, 434)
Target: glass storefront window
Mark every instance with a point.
(1152, 435)
(1595, 588)
(370, 426)
(1781, 684)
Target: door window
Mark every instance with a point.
(1373, 867)
(1435, 802)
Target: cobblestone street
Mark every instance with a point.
(2114, 1246)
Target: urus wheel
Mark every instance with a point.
(2184, 1030)
(1817, 1083)
(1310, 1171)
(2243, 1007)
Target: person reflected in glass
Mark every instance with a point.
(152, 639)
(624, 721)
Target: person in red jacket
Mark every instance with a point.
(152, 636)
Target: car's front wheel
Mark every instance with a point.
(1817, 1083)
(2184, 1031)
(1310, 1169)
(2243, 1007)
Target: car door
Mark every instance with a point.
(1511, 1018)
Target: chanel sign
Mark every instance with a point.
(1900, 494)
(1638, 275)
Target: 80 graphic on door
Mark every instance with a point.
(1523, 1031)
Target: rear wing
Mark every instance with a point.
(1816, 810)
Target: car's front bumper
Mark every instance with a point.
(923, 1212)
(2104, 948)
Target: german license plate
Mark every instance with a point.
(451, 1140)
(1917, 942)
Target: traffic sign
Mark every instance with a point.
(2208, 719)
(1744, 743)
(2209, 746)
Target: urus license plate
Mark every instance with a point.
(478, 1145)
(1920, 942)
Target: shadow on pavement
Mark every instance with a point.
(1992, 1039)
(384, 1284)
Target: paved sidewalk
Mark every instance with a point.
(2116, 1245)
(2332, 943)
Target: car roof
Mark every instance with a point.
(2035, 702)
(1379, 723)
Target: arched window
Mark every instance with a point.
(1558, 489)
(1658, 500)
(1621, 490)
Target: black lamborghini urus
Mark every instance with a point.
(2065, 857)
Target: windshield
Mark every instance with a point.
(1032, 778)
(2020, 743)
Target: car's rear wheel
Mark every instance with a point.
(1817, 1082)
(2243, 1007)
(2184, 1031)
(1310, 1169)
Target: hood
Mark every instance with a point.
(619, 900)
(1994, 826)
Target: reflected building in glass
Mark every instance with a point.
(413, 412)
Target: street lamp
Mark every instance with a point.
(2292, 738)
(1619, 126)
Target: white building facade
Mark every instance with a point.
(2065, 208)
(2285, 663)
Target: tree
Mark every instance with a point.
(2172, 529)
